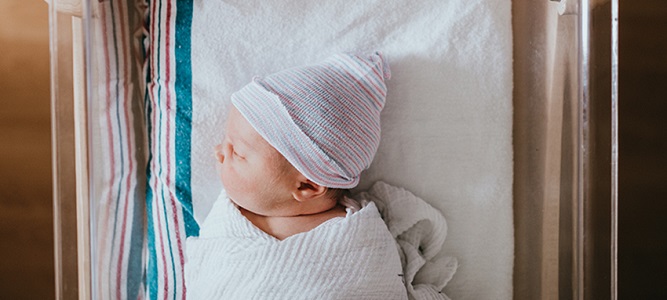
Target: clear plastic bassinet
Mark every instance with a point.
(564, 144)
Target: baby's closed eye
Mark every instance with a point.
(236, 154)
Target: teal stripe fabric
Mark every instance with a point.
(169, 211)
(184, 114)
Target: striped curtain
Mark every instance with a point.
(169, 115)
(118, 172)
(141, 80)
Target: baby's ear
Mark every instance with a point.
(308, 190)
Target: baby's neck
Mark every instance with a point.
(282, 227)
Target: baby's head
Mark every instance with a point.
(296, 138)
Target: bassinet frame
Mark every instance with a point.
(565, 145)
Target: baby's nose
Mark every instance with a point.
(219, 154)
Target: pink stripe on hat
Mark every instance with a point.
(323, 118)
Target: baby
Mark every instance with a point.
(284, 228)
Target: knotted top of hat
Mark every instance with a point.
(323, 118)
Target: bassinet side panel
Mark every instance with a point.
(563, 140)
(117, 142)
(168, 111)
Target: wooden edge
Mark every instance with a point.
(72, 7)
(81, 161)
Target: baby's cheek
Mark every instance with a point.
(232, 180)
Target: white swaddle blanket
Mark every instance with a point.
(354, 257)
(420, 231)
(446, 126)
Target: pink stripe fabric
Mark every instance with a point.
(116, 227)
(131, 261)
(166, 212)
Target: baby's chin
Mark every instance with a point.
(248, 207)
(263, 211)
(240, 204)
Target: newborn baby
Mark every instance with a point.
(284, 227)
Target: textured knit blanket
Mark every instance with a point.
(355, 257)
(420, 231)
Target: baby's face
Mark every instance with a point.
(255, 175)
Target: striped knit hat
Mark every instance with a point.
(323, 118)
